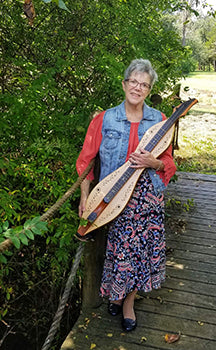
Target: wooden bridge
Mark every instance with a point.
(186, 304)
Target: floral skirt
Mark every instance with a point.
(135, 253)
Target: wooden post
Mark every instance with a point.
(94, 259)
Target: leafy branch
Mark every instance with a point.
(22, 234)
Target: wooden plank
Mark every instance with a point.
(209, 250)
(181, 264)
(194, 231)
(200, 189)
(201, 186)
(193, 193)
(189, 255)
(192, 275)
(191, 229)
(201, 288)
(193, 314)
(196, 176)
(198, 237)
(198, 203)
(195, 182)
(166, 295)
(194, 226)
(204, 213)
(203, 221)
(197, 200)
(174, 319)
(195, 223)
(188, 258)
(178, 204)
(190, 191)
(205, 207)
(187, 265)
(181, 239)
(210, 180)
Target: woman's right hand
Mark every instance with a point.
(84, 195)
(82, 206)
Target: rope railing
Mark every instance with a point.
(57, 318)
(51, 211)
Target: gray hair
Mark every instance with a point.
(141, 65)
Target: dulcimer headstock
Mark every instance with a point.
(182, 109)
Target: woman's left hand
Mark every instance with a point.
(144, 159)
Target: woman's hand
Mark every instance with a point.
(145, 159)
(84, 195)
(82, 206)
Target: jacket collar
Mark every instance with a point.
(147, 112)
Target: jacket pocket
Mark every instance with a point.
(111, 139)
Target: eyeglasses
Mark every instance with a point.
(133, 83)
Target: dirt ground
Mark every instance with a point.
(201, 126)
(202, 123)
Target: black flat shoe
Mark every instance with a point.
(114, 309)
(128, 324)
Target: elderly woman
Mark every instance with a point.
(135, 253)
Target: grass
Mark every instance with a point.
(198, 157)
(201, 81)
(197, 132)
(200, 109)
(201, 85)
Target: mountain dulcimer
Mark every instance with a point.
(110, 196)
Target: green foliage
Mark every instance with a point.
(71, 64)
(21, 235)
(60, 3)
(41, 176)
(178, 205)
(31, 182)
(199, 35)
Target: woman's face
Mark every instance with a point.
(136, 94)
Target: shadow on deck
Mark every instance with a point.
(186, 304)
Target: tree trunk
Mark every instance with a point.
(185, 19)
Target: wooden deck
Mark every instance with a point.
(187, 302)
